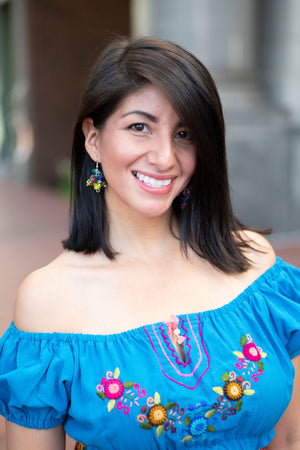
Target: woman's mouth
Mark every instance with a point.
(152, 182)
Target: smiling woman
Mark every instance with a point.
(149, 74)
(165, 323)
(146, 164)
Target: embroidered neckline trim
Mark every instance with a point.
(190, 375)
(167, 341)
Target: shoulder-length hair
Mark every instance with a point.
(207, 224)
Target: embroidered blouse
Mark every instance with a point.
(131, 390)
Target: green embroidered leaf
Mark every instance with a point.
(169, 405)
(243, 341)
(211, 428)
(261, 365)
(263, 354)
(146, 426)
(128, 384)
(225, 376)
(248, 392)
(210, 413)
(187, 421)
(218, 390)
(159, 430)
(111, 404)
(156, 398)
(238, 354)
(238, 405)
(117, 372)
(187, 438)
(101, 395)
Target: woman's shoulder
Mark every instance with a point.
(42, 295)
(260, 252)
(260, 255)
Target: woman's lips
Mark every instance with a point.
(161, 185)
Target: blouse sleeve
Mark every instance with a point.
(285, 307)
(35, 376)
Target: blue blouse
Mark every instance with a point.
(131, 390)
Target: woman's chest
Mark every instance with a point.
(233, 387)
(126, 299)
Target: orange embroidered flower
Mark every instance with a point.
(233, 390)
(79, 446)
(157, 415)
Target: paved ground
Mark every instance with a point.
(33, 221)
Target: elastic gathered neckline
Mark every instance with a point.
(246, 295)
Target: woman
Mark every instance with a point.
(165, 323)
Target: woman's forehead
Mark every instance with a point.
(149, 96)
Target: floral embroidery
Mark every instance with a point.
(113, 389)
(233, 390)
(163, 417)
(197, 422)
(201, 418)
(250, 358)
(250, 351)
(157, 415)
(172, 326)
(236, 386)
(79, 446)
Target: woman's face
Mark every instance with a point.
(146, 153)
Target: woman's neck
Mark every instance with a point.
(141, 237)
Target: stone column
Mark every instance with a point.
(280, 64)
(220, 33)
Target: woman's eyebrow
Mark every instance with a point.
(142, 113)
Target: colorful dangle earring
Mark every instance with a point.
(96, 179)
(185, 197)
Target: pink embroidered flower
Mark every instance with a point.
(172, 326)
(250, 351)
(113, 388)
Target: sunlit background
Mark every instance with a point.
(252, 49)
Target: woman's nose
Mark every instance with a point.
(162, 154)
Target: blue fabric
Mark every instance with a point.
(132, 391)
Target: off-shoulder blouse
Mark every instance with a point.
(131, 390)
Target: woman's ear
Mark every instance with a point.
(91, 134)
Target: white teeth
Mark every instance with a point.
(152, 182)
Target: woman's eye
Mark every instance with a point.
(140, 127)
(183, 134)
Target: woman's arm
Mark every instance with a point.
(288, 428)
(18, 437)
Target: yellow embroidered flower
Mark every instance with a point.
(157, 415)
(233, 390)
(80, 446)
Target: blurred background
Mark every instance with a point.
(47, 47)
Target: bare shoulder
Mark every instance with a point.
(54, 298)
(38, 296)
(260, 252)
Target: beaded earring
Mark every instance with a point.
(185, 197)
(96, 179)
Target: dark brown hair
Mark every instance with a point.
(207, 225)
